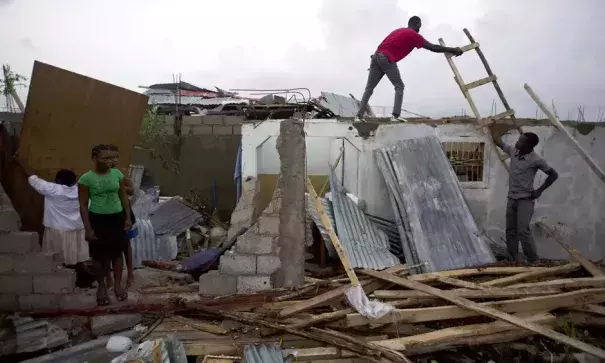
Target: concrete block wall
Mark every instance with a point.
(251, 264)
(206, 125)
(29, 279)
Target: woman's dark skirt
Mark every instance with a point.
(111, 240)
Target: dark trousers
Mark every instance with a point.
(379, 66)
(518, 217)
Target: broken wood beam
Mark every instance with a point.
(432, 276)
(369, 286)
(589, 266)
(571, 283)
(451, 335)
(198, 325)
(490, 293)
(490, 312)
(551, 271)
(459, 283)
(421, 315)
(360, 349)
(559, 126)
(386, 352)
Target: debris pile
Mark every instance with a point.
(436, 314)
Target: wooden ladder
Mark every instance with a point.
(508, 116)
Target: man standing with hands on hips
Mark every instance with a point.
(394, 48)
(524, 164)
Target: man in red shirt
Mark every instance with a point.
(394, 48)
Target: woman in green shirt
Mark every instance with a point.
(106, 215)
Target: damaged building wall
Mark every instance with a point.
(204, 156)
(572, 203)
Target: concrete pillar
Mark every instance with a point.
(291, 184)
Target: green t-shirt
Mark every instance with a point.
(103, 191)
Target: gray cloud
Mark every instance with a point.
(556, 46)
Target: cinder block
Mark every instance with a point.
(242, 215)
(234, 264)
(237, 130)
(252, 244)
(212, 120)
(201, 130)
(247, 284)
(35, 263)
(214, 283)
(16, 284)
(9, 219)
(232, 120)
(62, 282)
(169, 129)
(78, 301)
(192, 120)
(268, 225)
(8, 303)
(39, 302)
(6, 263)
(266, 265)
(222, 130)
(169, 120)
(107, 324)
(19, 242)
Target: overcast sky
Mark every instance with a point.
(557, 46)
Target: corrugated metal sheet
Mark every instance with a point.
(434, 220)
(341, 105)
(315, 216)
(34, 335)
(174, 217)
(390, 228)
(169, 99)
(366, 246)
(264, 353)
(148, 246)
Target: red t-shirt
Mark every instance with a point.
(400, 43)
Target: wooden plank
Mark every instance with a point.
(369, 286)
(432, 276)
(480, 82)
(490, 312)
(458, 332)
(471, 46)
(552, 271)
(333, 237)
(582, 319)
(593, 309)
(422, 315)
(501, 118)
(488, 69)
(575, 283)
(559, 126)
(460, 283)
(198, 325)
(493, 293)
(589, 266)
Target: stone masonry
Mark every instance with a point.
(258, 262)
(29, 279)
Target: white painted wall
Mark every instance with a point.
(575, 202)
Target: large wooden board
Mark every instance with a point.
(65, 116)
(68, 113)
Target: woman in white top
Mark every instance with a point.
(63, 227)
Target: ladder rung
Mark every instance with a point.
(471, 46)
(499, 118)
(480, 82)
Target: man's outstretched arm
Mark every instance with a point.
(441, 49)
(497, 137)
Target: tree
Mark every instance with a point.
(8, 85)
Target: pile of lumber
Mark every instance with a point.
(434, 312)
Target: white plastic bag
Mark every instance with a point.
(369, 308)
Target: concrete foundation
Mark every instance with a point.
(271, 252)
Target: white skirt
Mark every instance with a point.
(70, 245)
